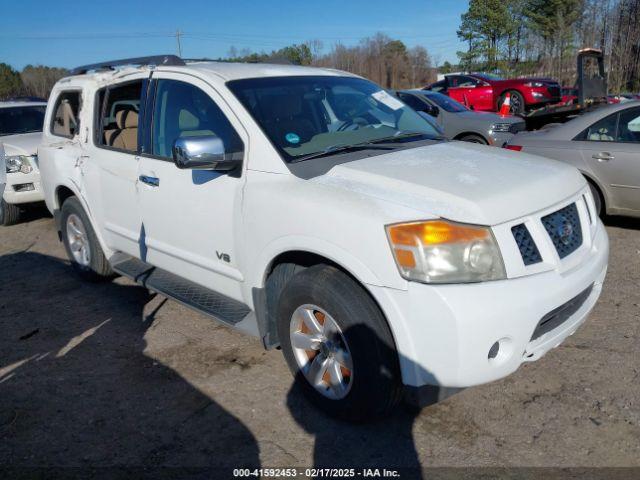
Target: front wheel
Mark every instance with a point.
(338, 345)
(80, 242)
(9, 214)
(518, 105)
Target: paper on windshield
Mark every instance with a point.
(386, 99)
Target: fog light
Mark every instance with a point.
(501, 351)
(23, 187)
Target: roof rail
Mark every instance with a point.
(151, 60)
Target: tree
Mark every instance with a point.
(10, 82)
(39, 80)
(484, 26)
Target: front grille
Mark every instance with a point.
(564, 229)
(558, 316)
(526, 245)
(554, 91)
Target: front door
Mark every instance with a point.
(190, 218)
(611, 148)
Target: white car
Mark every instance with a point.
(20, 133)
(310, 208)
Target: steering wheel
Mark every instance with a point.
(355, 121)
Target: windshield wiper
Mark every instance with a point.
(400, 135)
(332, 150)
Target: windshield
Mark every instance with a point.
(488, 76)
(15, 120)
(303, 116)
(446, 103)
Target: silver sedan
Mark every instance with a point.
(460, 123)
(605, 146)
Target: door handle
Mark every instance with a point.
(603, 156)
(153, 181)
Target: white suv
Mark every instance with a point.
(311, 209)
(20, 132)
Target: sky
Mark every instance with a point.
(66, 33)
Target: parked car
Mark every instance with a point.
(20, 132)
(312, 209)
(460, 123)
(481, 91)
(605, 146)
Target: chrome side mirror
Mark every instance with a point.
(203, 153)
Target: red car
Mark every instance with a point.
(481, 91)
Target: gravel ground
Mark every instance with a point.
(107, 375)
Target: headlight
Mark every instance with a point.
(18, 163)
(534, 84)
(439, 251)
(501, 127)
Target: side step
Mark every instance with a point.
(190, 294)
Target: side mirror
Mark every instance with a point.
(433, 111)
(203, 153)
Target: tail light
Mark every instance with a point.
(515, 148)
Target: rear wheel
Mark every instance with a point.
(338, 345)
(80, 241)
(9, 213)
(473, 139)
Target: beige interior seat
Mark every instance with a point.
(125, 136)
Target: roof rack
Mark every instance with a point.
(151, 60)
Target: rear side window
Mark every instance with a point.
(602, 131)
(182, 110)
(66, 119)
(119, 116)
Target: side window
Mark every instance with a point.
(413, 102)
(182, 110)
(119, 109)
(602, 131)
(66, 120)
(464, 81)
(629, 126)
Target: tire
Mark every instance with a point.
(597, 199)
(473, 139)
(92, 264)
(9, 214)
(518, 105)
(361, 349)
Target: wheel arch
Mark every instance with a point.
(460, 135)
(265, 292)
(602, 191)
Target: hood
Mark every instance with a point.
(487, 117)
(22, 144)
(460, 181)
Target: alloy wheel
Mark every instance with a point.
(321, 351)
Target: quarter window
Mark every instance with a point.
(182, 110)
(66, 120)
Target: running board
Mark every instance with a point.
(190, 294)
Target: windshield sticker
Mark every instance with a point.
(386, 99)
(292, 138)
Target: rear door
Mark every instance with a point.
(611, 148)
(110, 169)
(191, 218)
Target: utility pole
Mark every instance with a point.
(178, 34)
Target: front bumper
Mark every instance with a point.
(15, 192)
(444, 333)
(498, 139)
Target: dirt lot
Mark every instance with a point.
(107, 375)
